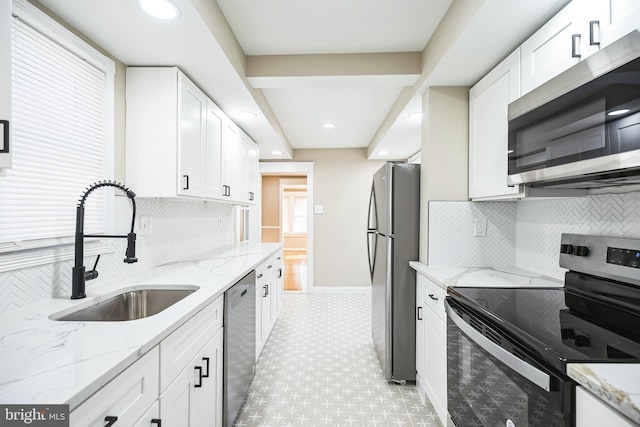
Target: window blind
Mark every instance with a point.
(59, 139)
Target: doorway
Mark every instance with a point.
(287, 200)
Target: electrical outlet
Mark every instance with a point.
(480, 227)
(145, 225)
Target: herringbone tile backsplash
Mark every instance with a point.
(526, 234)
(180, 229)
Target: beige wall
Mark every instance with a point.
(342, 182)
(445, 145)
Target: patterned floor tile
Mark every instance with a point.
(319, 368)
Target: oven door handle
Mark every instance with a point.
(533, 374)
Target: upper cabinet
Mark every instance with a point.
(488, 128)
(577, 31)
(179, 143)
(5, 84)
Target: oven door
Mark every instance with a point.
(488, 385)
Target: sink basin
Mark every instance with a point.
(128, 305)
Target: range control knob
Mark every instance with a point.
(582, 251)
(566, 249)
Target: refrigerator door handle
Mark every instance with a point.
(372, 219)
(370, 244)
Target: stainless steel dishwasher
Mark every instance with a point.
(239, 345)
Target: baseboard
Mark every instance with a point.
(344, 290)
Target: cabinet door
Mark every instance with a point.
(488, 129)
(592, 412)
(5, 82)
(252, 173)
(194, 399)
(265, 302)
(230, 143)
(619, 18)
(214, 151)
(151, 418)
(127, 397)
(549, 51)
(436, 361)
(192, 139)
(420, 326)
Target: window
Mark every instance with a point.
(62, 133)
(294, 211)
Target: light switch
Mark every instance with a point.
(319, 209)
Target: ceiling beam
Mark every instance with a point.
(382, 69)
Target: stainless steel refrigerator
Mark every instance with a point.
(393, 234)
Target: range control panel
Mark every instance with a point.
(624, 257)
(615, 258)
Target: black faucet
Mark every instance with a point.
(79, 275)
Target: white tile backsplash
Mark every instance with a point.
(452, 240)
(526, 234)
(180, 228)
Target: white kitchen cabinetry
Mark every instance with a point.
(5, 84)
(179, 143)
(239, 166)
(252, 172)
(577, 31)
(268, 298)
(194, 398)
(591, 412)
(151, 418)
(488, 131)
(553, 48)
(128, 397)
(431, 344)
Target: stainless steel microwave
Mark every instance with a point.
(581, 129)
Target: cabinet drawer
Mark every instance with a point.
(179, 348)
(434, 297)
(128, 396)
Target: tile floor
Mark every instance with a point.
(319, 368)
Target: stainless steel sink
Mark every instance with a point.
(129, 305)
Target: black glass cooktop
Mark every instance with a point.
(560, 325)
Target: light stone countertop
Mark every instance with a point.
(55, 362)
(614, 383)
(447, 276)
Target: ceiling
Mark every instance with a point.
(360, 64)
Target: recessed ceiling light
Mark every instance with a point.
(276, 153)
(618, 112)
(509, 151)
(328, 125)
(417, 115)
(161, 9)
(247, 115)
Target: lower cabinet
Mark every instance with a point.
(177, 383)
(194, 399)
(592, 412)
(268, 298)
(125, 400)
(431, 345)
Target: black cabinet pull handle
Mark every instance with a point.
(244, 293)
(419, 313)
(186, 183)
(206, 360)
(575, 48)
(266, 291)
(269, 266)
(199, 383)
(157, 421)
(279, 273)
(260, 275)
(433, 297)
(110, 420)
(251, 195)
(4, 146)
(594, 33)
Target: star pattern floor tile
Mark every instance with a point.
(319, 368)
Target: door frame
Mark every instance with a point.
(293, 168)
